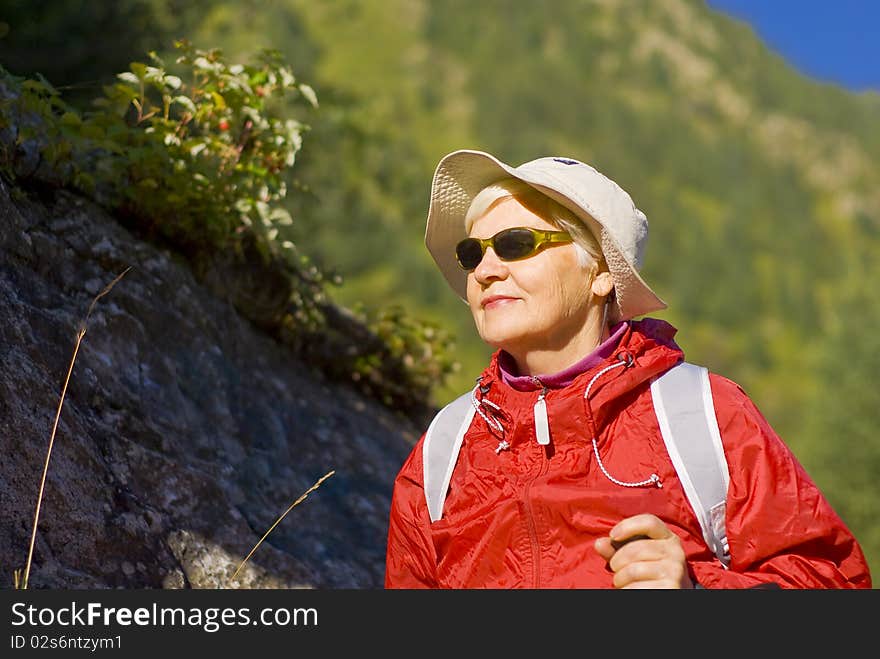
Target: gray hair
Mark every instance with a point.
(549, 209)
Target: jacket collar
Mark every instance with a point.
(647, 345)
(507, 366)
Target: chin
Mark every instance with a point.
(506, 338)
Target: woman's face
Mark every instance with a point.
(537, 304)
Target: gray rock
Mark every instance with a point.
(185, 432)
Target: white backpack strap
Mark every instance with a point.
(683, 404)
(440, 450)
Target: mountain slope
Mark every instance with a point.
(761, 186)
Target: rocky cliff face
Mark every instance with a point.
(185, 430)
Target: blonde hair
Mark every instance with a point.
(543, 206)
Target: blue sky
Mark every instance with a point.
(834, 41)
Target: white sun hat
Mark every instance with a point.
(605, 208)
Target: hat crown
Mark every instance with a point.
(608, 204)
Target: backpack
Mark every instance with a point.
(686, 415)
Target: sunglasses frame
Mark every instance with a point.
(541, 238)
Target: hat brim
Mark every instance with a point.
(461, 175)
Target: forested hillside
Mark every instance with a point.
(761, 187)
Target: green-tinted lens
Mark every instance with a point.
(469, 253)
(514, 244)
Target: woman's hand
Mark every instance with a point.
(643, 553)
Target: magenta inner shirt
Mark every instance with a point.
(563, 378)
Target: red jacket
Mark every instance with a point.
(527, 516)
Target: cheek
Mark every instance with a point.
(569, 292)
(473, 293)
(577, 290)
(473, 300)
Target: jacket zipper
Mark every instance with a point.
(541, 435)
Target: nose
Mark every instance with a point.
(490, 268)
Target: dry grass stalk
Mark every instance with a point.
(21, 579)
(291, 507)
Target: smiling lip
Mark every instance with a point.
(494, 300)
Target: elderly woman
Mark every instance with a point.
(561, 477)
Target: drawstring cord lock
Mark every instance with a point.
(653, 479)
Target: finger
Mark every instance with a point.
(631, 573)
(617, 544)
(670, 568)
(603, 547)
(651, 585)
(642, 551)
(668, 583)
(641, 524)
(649, 574)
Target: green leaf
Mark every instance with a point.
(219, 101)
(71, 119)
(124, 91)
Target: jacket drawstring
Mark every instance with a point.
(653, 479)
(493, 422)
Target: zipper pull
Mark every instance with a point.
(542, 424)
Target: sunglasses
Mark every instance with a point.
(510, 245)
